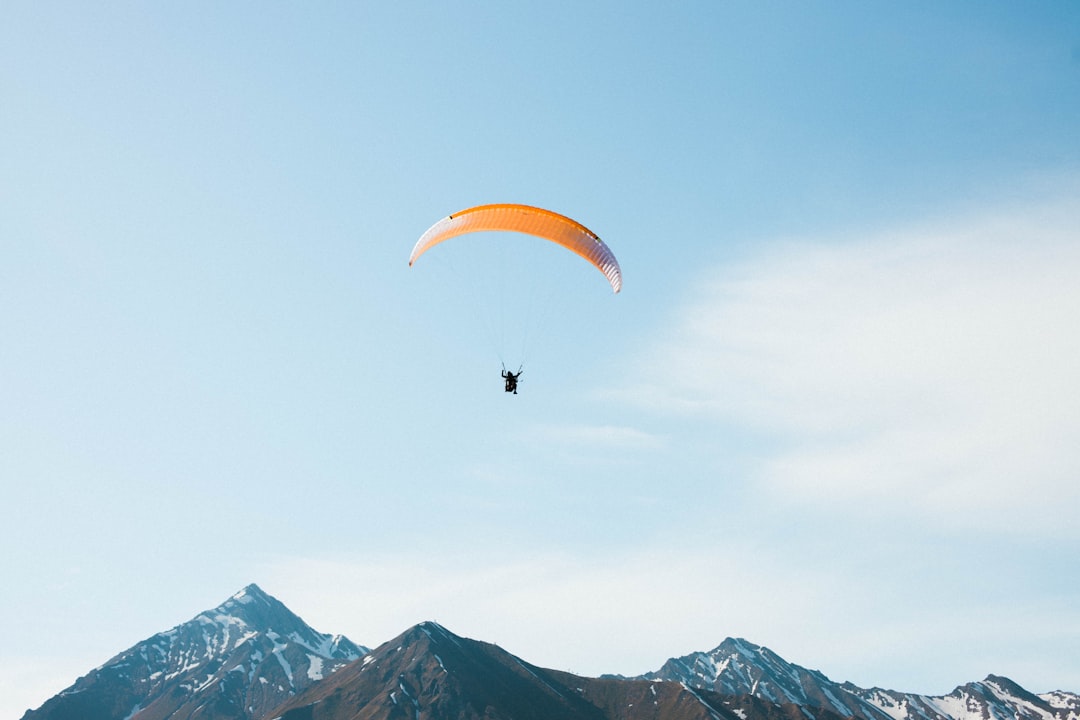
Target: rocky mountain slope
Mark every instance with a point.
(738, 667)
(239, 660)
(251, 658)
(428, 673)
(995, 698)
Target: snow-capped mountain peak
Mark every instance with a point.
(250, 653)
(739, 667)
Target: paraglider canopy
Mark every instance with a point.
(529, 220)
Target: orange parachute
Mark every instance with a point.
(535, 221)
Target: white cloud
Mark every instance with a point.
(933, 369)
(613, 613)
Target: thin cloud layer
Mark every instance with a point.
(932, 369)
(599, 436)
(628, 613)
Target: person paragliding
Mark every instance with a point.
(526, 220)
(511, 379)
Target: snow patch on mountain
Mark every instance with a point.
(220, 658)
(315, 667)
(738, 667)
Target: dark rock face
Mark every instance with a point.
(428, 673)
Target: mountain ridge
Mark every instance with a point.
(737, 666)
(251, 658)
(429, 673)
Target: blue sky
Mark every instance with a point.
(833, 411)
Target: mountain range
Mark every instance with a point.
(251, 658)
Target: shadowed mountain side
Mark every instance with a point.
(428, 673)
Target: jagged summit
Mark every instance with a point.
(250, 606)
(250, 594)
(739, 667)
(241, 658)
